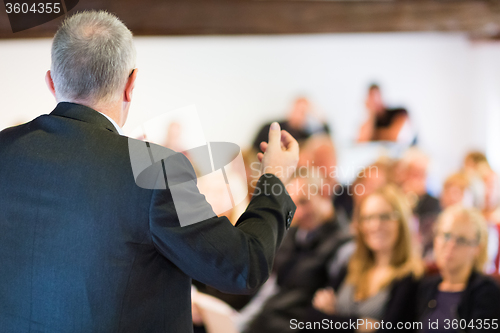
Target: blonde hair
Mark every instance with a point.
(472, 215)
(404, 259)
(476, 157)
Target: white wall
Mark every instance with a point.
(487, 96)
(238, 83)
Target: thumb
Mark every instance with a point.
(274, 135)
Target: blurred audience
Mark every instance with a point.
(413, 181)
(302, 122)
(381, 276)
(301, 264)
(318, 151)
(355, 250)
(460, 293)
(484, 186)
(474, 165)
(382, 123)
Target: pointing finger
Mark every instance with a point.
(274, 135)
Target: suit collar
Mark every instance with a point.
(83, 113)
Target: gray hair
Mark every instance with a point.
(92, 57)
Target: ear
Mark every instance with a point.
(50, 83)
(129, 87)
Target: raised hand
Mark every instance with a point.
(281, 155)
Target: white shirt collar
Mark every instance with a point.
(118, 128)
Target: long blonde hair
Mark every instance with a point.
(404, 259)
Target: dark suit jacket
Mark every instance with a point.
(84, 249)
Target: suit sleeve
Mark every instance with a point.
(232, 259)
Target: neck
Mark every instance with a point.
(454, 281)
(383, 258)
(112, 110)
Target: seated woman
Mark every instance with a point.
(381, 276)
(460, 298)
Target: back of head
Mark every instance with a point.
(92, 57)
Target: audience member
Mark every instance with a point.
(454, 191)
(301, 265)
(475, 163)
(382, 123)
(460, 297)
(484, 186)
(301, 123)
(425, 207)
(318, 152)
(381, 277)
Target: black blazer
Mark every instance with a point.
(84, 249)
(480, 300)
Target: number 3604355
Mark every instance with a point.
(36, 8)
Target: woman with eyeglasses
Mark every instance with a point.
(460, 298)
(378, 290)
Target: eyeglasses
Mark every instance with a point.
(459, 240)
(383, 217)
